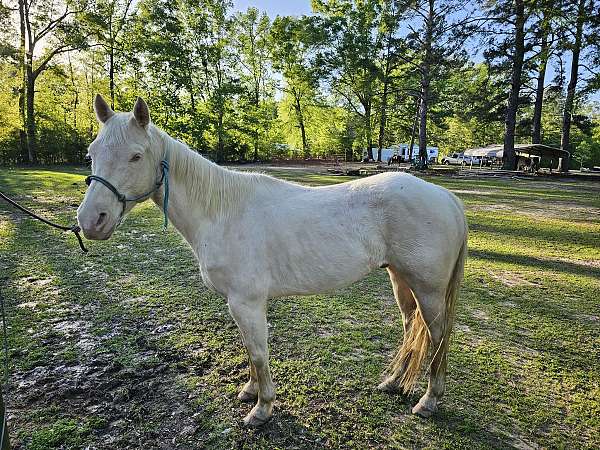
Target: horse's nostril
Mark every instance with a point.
(101, 219)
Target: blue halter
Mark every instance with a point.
(164, 180)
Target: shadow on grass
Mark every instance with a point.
(452, 423)
(284, 430)
(513, 229)
(531, 261)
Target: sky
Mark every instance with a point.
(275, 7)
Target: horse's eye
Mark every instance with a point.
(135, 157)
(87, 158)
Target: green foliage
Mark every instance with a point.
(587, 153)
(64, 432)
(9, 112)
(237, 87)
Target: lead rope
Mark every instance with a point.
(4, 442)
(165, 167)
(73, 229)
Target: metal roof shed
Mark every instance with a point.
(497, 151)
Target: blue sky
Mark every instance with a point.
(275, 7)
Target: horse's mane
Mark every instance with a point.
(220, 191)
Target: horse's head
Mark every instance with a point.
(124, 169)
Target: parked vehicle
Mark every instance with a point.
(459, 159)
(401, 150)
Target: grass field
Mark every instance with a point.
(125, 348)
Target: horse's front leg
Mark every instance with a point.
(250, 316)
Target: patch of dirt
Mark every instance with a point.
(142, 390)
(34, 281)
(31, 305)
(594, 263)
(518, 442)
(479, 314)
(539, 208)
(588, 318)
(462, 328)
(511, 279)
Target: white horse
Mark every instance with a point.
(257, 237)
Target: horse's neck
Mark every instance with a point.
(194, 186)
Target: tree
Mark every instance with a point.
(108, 20)
(55, 25)
(549, 26)
(354, 39)
(293, 47)
(250, 39)
(534, 31)
(436, 50)
(586, 28)
(388, 62)
(165, 38)
(516, 15)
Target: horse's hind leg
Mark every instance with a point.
(432, 305)
(406, 302)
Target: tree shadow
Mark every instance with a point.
(514, 230)
(538, 263)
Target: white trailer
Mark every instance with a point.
(402, 151)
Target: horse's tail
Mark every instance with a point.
(411, 356)
(452, 292)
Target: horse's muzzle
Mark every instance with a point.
(98, 226)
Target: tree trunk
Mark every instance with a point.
(423, 122)
(414, 130)
(23, 89)
(565, 139)
(300, 119)
(367, 107)
(90, 95)
(510, 160)
(383, 118)
(111, 75)
(256, 131)
(425, 81)
(536, 137)
(30, 108)
(220, 143)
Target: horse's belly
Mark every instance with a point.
(315, 274)
(318, 285)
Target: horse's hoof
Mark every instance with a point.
(389, 387)
(422, 411)
(254, 419)
(247, 397)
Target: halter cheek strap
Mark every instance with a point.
(164, 180)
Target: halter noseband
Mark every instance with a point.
(164, 179)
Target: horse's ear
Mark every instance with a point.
(141, 113)
(103, 111)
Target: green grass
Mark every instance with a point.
(125, 348)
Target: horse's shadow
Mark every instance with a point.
(284, 429)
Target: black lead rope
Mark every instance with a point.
(74, 229)
(4, 442)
